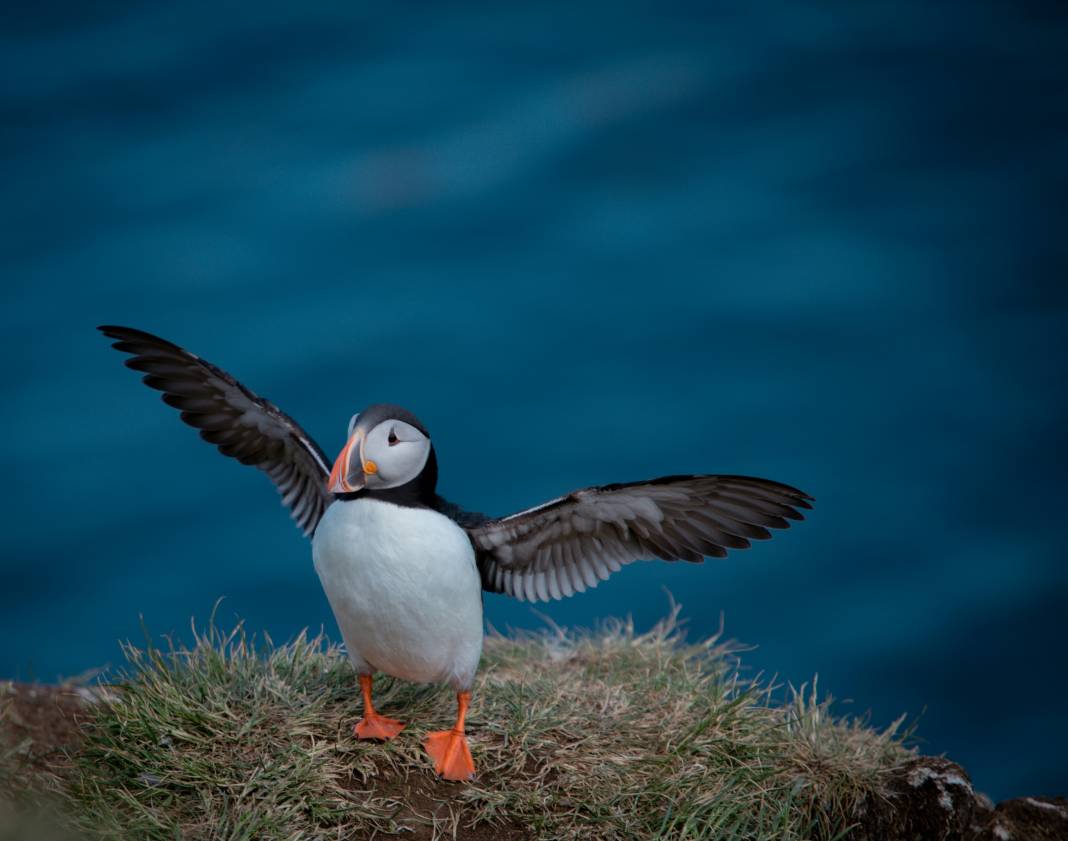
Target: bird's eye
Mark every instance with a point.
(393, 439)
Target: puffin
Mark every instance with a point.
(404, 570)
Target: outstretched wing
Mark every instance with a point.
(568, 544)
(240, 424)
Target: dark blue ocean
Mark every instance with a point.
(820, 243)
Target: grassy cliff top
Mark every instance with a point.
(609, 734)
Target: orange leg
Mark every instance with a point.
(373, 725)
(448, 748)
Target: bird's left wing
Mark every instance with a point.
(242, 425)
(570, 543)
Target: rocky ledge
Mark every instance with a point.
(933, 798)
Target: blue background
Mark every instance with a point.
(823, 244)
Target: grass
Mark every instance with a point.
(610, 734)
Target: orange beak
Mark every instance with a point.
(342, 478)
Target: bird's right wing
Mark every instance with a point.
(243, 426)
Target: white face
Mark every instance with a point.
(394, 453)
(387, 455)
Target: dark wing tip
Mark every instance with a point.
(794, 496)
(802, 501)
(798, 496)
(131, 337)
(116, 331)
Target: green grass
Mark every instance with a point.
(599, 735)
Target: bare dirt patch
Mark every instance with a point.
(38, 721)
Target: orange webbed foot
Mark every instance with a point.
(375, 726)
(451, 754)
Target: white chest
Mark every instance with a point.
(404, 588)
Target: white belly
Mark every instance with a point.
(404, 588)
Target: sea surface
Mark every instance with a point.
(819, 243)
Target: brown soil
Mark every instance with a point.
(39, 720)
(428, 799)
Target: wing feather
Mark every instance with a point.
(574, 542)
(242, 425)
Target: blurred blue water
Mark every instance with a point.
(823, 244)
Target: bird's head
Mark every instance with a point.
(387, 448)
